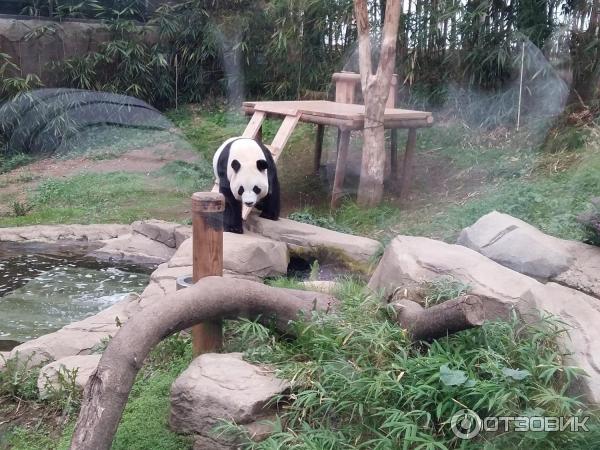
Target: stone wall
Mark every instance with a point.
(32, 50)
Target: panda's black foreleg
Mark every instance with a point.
(232, 216)
(270, 207)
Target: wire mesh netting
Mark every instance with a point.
(42, 120)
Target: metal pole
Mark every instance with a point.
(521, 85)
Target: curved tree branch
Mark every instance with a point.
(212, 298)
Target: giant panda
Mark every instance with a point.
(246, 173)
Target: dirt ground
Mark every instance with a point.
(16, 184)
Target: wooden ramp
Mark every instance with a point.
(253, 130)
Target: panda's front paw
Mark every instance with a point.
(237, 230)
(269, 216)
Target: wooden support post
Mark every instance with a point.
(340, 168)
(207, 245)
(319, 147)
(407, 166)
(393, 154)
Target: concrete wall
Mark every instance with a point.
(67, 39)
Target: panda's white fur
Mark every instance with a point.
(247, 152)
(246, 174)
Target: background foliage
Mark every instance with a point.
(289, 48)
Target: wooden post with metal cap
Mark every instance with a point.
(207, 245)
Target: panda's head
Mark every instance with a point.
(249, 181)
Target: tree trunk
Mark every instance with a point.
(210, 299)
(375, 88)
(440, 320)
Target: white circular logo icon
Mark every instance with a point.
(466, 424)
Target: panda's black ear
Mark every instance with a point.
(235, 165)
(261, 164)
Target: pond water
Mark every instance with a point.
(44, 288)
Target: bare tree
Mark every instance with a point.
(375, 88)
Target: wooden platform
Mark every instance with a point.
(342, 115)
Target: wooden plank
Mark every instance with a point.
(353, 124)
(332, 110)
(254, 126)
(344, 91)
(407, 166)
(340, 168)
(283, 134)
(393, 155)
(318, 148)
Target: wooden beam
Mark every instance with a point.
(254, 126)
(407, 166)
(283, 134)
(318, 147)
(394, 154)
(207, 260)
(340, 168)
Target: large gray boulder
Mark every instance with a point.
(358, 252)
(581, 313)
(409, 260)
(134, 248)
(78, 338)
(221, 387)
(522, 247)
(50, 375)
(167, 233)
(243, 254)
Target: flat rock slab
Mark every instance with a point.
(78, 338)
(50, 374)
(522, 247)
(309, 238)
(167, 233)
(54, 233)
(221, 386)
(243, 254)
(133, 248)
(409, 260)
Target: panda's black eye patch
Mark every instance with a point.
(235, 165)
(241, 190)
(261, 164)
(256, 190)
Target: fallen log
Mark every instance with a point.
(440, 320)
(211, 298)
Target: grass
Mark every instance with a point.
(359, 383)
(117, 197)
(530, 185)
(8, 163)
(144, 422)
(109, 142)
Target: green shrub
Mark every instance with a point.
(591, 222)
(9, 163)
(17, 380)
(359, 383)
(307, 216)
